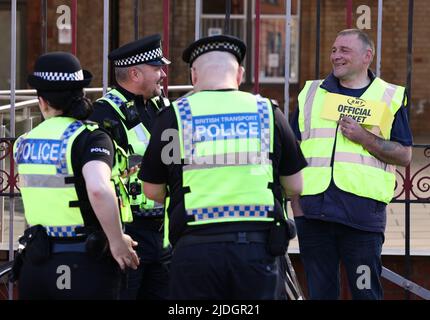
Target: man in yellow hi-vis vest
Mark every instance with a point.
(226, 157)
(341, 214)
(128, 112)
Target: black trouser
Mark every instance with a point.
(151, 279)
(70, 275)
(232, 269)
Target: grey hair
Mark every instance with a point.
(363, 36)
(121, 74)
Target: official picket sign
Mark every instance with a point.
(366, 112)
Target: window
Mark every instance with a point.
(272, 33)
(273, 39)
(213, 18)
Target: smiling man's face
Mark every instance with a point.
(350, 57)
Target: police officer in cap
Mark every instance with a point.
(75, 246)
(128, 112)
(229, 164)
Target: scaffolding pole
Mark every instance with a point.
(136, 19)
(197, 18)
(166, 11)
(379, 39)
(408, 168)
(257, 48)
(287, 59)
(12, 133)
(349, 14)
(227, 16)
(75, 27)
(317, 41)
(44, 26)
(105, 44)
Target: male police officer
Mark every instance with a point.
(128, 112)
(236, 155)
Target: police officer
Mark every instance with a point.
(128, 112)
(65, 168)
(225, 157)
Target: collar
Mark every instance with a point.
(221, 90)
(331, 83)
(127, 94)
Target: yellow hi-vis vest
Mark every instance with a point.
(138, 140)
(45, 170)
(225, 140)
(354, 169)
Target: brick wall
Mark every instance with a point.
(333, 13)
(394, 47)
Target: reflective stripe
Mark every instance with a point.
(140, 134)
(67, 134)
(187, 128)
(389, 92)
(228, 160)
(310, 96)
(63, 231)
(361, 159)
(350, 158)
(225, 212)
(43, 181)
(387, 97)
(318, 162)
(116, 98)
(17, 146)
(321, 133)
(263, 112)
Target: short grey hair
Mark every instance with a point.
(121, 74)
(363, 36)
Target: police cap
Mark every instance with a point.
(225, 43)
(58, 71)
(143, 51)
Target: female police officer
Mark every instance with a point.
(65, 167)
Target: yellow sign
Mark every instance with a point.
(366, 112)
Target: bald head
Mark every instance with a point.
(216, 70)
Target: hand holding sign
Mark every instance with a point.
(351, 129)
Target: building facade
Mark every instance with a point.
(182, 21)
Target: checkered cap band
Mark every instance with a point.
(140, 58)
(60, 76)
(227, 46)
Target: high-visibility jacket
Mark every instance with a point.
(46, 177)
(330, 154)
(138, 138)
(225, 140)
